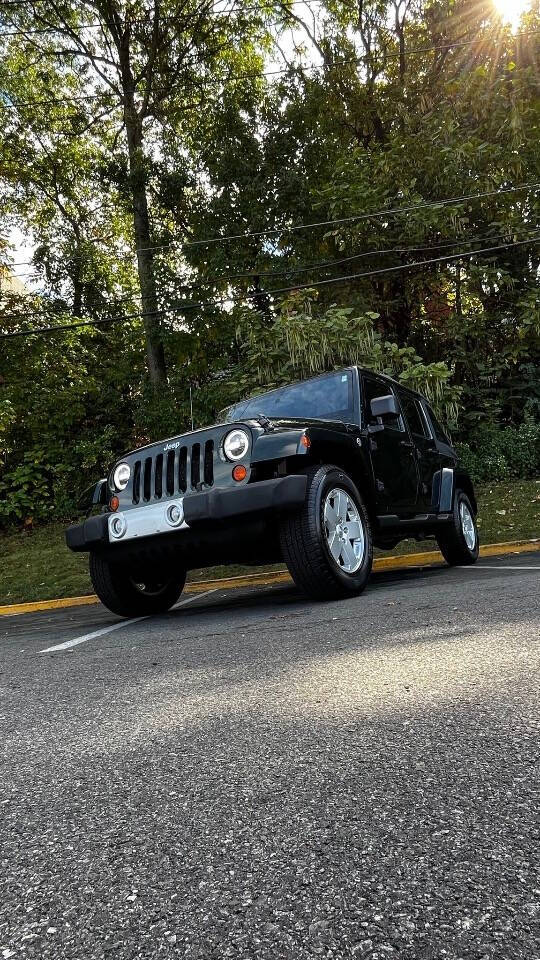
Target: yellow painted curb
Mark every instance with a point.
(14, 609)
(281, 576)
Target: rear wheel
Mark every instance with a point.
(458, 541)
(138, 593)
(327, 544)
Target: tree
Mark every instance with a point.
(407, 106)
(135, 60)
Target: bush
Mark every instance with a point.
(500, 453)
(46, 483)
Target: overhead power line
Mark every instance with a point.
(392, 211)
(294, 269)
(300, 268)
(226, 301)
(97, 25)
(328, 264)
(223, 12)
(34, 30)
(292, 68)
(293, 228)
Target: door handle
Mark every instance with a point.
(406, 443)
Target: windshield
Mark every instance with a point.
(329, 397)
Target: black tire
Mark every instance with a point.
(451, 538)
(134, 595)
(305, 546)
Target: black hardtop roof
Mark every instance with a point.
(395, 383)
(327, 373)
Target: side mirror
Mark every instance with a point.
(384, 406)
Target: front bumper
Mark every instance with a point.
(211, 506)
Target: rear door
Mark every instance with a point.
(392, 455)
(427, 456)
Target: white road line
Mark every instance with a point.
(117, 626)
(196, 596)
(92, 636)
(497, 566)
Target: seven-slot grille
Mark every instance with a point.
(174, 472)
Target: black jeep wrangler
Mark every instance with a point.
(316, 473)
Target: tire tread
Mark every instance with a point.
(302, 547)
(118, 594)
(451, 542)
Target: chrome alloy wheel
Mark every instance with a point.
(344, 530)
(467, 525)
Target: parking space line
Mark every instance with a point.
(496, 566)
(92, 636)
(68, 644)
(196, 596)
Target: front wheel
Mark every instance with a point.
(130, 593)
(458, 540)
(327, 544)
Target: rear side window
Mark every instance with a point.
(440, 434)
(413, 414)
(378, 388)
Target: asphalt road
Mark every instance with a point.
(257, 776)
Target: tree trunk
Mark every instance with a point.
(145, 261)
(76, 275)
(459, 308)
(155, 353)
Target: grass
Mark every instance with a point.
(36, 564)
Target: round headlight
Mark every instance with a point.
(121, 476)
(236, 444)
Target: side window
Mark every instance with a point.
(413, 414)
(378, 388)
(437, 429)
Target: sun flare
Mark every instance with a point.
(511, 10)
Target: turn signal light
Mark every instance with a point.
(239, 472)
(114, 503)
(305, 441)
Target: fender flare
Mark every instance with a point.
(448, 481)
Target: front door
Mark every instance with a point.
(392, 455)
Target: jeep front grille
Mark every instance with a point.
(174, 472)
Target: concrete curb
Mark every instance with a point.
(430, 558)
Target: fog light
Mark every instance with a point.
(239, 472)
(118, 526)
(175, 514)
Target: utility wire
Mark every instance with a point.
(293, 270)
(24, 33)
(225, 301)
(278, 71)
(327, 264)
(392, 211)
(225, 12)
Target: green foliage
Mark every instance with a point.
(47, 481)
(24, 490)
(253, 154)
(498, 453)
(7, 416)
(305, 340)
